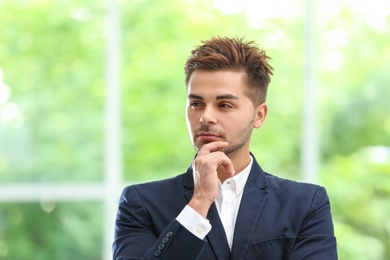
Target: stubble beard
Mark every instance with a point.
(238, 141)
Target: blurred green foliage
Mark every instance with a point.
(359, 188)
(51, 125)
(51, 231)
(51, 58)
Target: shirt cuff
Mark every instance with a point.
(194, 222)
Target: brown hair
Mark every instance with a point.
(223, 53)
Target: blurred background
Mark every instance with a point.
(92, 98)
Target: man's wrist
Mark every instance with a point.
(200, 206)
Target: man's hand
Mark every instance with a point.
(205, 165)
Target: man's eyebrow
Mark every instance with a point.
(227, 96)
(193, 96)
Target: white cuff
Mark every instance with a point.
(194, 222)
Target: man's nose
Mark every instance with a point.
(208, 117)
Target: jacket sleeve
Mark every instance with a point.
(316, 240)
(136, 238)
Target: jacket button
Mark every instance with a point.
(165, 240)
(157, 252)
(169, 234)
(161, 246)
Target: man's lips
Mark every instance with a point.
(209, 137)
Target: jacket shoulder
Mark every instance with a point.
(155, 188)
(282, 183)
(296, 190)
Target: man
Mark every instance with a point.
(225, 206)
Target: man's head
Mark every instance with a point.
(234, 54)
(226, 82)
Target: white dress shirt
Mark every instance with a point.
(228, 202)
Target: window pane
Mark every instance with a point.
(49, 230)
(51, 85)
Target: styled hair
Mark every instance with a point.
(223, 53)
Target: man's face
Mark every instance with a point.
(219, 110)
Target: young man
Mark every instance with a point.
(225, 206)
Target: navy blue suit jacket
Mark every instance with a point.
(277, 219)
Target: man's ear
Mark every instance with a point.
(260, 115)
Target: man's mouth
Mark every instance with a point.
(209, 137)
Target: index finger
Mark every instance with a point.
(212, 147)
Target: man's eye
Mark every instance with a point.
(225, 105)
(195, 104)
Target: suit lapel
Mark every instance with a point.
(216, 237)
(252, 202)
